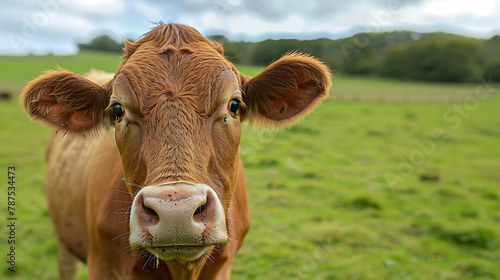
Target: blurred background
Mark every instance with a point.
(458, 38)
(398, 171)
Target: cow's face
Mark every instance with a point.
(175, 107)
(176, 117)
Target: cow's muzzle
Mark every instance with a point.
(177, 220)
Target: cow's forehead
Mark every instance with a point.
(202, 74)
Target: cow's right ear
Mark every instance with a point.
(65, 101)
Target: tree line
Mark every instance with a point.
(437, 57)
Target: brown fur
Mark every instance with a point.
(287, 90)
(175, 87)
(64, 100)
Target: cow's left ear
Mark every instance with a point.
(65, 101)
(288, 89)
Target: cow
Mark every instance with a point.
(144, 176)
(5, 95)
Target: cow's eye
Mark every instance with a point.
(234, 106)
(118, 111)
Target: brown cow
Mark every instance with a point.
(142, 185)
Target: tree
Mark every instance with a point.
(363, 62)
(439, 57)
(102, 43)
(493, 69)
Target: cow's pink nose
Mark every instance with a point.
(177, 214)
(190, 209)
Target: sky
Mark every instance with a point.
(56, 26)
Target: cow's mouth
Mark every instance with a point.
(181, 252)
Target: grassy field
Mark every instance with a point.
(338, 196)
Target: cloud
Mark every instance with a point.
(108, 7)
(42, 26)
(459, 7)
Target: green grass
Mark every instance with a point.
(320, 202)
(16, 71)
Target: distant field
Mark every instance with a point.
(384, 90)
(320, 200)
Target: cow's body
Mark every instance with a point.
(160, 193)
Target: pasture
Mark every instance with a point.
(338, 196)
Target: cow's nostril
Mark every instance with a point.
(201, 208)
(152, 215)
(150, 211)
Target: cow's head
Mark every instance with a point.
(175, 106)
